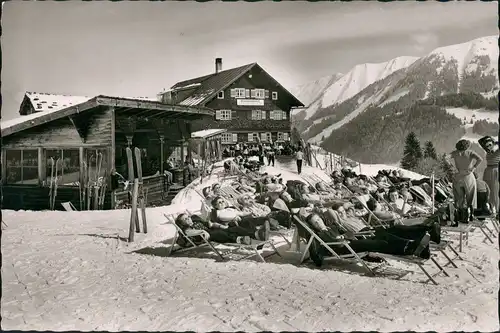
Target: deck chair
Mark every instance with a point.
(255, 249)
(304, 229)
(441, 247)
(68, 206)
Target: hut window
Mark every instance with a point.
(220, 95)
(275, 95)
(22, 166)
(67, 163)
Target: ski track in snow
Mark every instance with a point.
(69, 271)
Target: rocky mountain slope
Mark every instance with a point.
(469, 68)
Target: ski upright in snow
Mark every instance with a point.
(140, 194)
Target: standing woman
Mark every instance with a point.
(464, 182)
(490, 175)
(299, 156)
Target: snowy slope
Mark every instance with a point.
(311, 94)
(469, 117)
(65, 271)
(360, 77)
(465, 53)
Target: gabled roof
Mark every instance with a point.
(209, 85)
(21, 123)
(206, 87)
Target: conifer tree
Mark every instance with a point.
(430, 151)
(412, 152)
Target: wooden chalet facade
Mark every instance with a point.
(248, 103)
(78, 129)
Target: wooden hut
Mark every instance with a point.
(80, 131)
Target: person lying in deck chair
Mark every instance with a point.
(191, 225)
(324, 192)
(243, 186)
(277, 217)
(230, 216)
(382, 242)
(314, 198)
(377, 209)
(343, 217)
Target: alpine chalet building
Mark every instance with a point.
(248, 102)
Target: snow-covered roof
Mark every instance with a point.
(54, 102)
(44, 104)
(57, 106)
(207, 133)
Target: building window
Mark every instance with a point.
(258, 93)
(258, 115)
(277, 115)
(282, 136)
(220, 95)
(227, 138)
(22, 166)
(275, 95)
(223, 115)
(65, 164)
(240, 93)
(266, 136)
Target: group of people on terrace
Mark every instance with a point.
(397, 216)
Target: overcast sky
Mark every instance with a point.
(139, 48)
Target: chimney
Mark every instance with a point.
(218, 65)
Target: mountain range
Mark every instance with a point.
(366, 113)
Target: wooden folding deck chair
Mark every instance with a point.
(68, 206)
(312, 236)
(255, 248)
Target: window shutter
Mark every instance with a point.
(235, 137)
(284, 115)
(233, 92)
(217, 114)
(247, 93)
(271, 115)
(233, 114)
(250, 137)
(263, 136)
(285, 136)
(252, 93)
(266, 94)
(263, 115)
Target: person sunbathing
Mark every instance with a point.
(197, 230)
(382, 241)
(231, 216)
(381, 181)
(316, 199)
(380, 213)
(333, 193)
(273, 186)
(243, 186)
(277, 217)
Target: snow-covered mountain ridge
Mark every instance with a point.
(465, 67)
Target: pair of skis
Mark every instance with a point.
(92, 189)
(137, 193)
(54, 177)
